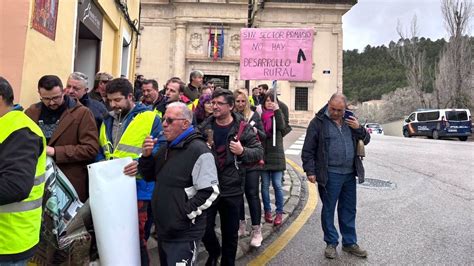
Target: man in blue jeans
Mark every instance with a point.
(330, 158)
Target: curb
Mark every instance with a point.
(289, 207)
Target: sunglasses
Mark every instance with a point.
(170, 120)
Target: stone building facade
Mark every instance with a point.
(175, 40)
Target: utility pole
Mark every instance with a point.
(249, 25)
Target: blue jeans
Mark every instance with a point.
(276, 178)
(340, 189)
(15, 263)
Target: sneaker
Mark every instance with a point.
(330, 252)
(242, 228)
(278, 219)
(256, 236)
(355, 250)
(268, 217)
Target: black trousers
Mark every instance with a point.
(228, 208)
(252, 184)
(172, 253)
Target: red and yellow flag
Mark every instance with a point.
(216, 46)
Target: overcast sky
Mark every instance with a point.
(374, 22)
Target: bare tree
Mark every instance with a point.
(454, 76)
(409, 53)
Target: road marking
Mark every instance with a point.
(280, 243)
(293, 152)
(296, 146)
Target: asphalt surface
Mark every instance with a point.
(423, 216)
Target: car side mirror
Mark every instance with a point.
(407, 120)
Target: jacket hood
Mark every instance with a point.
(320, 114)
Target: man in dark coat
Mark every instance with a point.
(192, 91)
(221, 131)
(330, 158)
(182, 194)
(70, 131)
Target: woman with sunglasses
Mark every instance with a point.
(275, 163)
(252, 173)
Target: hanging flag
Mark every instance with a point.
(216, 45)
(221, 43)
(209, 42)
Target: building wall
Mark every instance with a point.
(14, 16)
(165, 52)
(26, 54)
(44, 56)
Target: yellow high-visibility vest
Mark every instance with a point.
(251, 101)
(130, 144)
(20, 222)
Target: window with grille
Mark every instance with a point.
(220, 46)
(301, 99)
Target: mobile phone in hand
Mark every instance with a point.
(348, 114)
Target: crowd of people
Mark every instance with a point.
(197, 150)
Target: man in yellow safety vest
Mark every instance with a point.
(122, 134)
(22, 169)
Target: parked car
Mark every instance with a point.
(374, 128)
(439, 123)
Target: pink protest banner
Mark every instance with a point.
(276, 54)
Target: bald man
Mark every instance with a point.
(330, 158)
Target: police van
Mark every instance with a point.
(439, 123)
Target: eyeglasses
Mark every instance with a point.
(170, 120)
(218, 103)
(52, 99)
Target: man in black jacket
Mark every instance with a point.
(186, 185)
(230, 151)
(330, 158)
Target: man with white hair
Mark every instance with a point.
(76, 87)
(186, 185)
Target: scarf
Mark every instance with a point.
(267, 116)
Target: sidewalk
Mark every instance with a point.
(291, 191)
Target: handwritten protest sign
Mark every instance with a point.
(276, 54)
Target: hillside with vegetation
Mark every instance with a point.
(370, 73)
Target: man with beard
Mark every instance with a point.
(70, 131)
(76, 87)
(122, 134)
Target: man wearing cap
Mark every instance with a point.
(195, 82)
(76, 87)
(98, 92)
(22, 168)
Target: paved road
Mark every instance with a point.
(425, 217)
